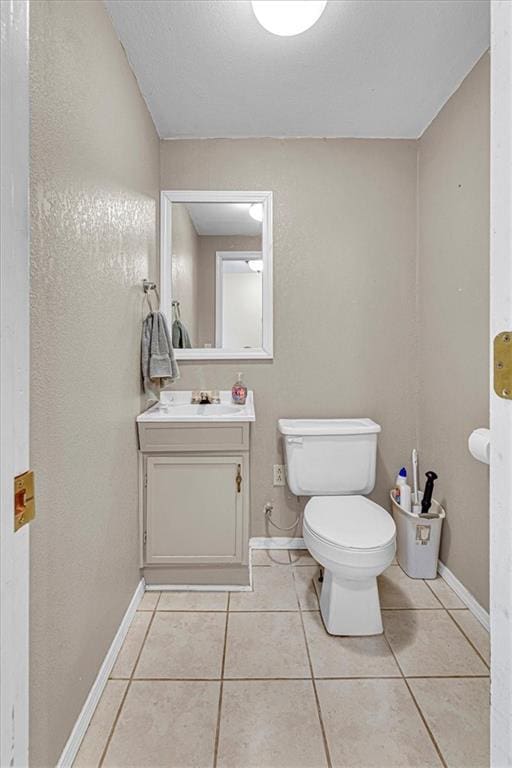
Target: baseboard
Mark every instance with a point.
(84, 718)
(276, 542)
(256, 542)
(466, 596)
(198, 588)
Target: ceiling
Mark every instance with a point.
(223, 219)
(368, 68)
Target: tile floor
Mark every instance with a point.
(252, 680)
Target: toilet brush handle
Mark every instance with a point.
(426, 502)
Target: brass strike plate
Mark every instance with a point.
(24, 501)
(503, 365)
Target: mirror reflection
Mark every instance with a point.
(216, 275)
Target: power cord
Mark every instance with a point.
(269, 508)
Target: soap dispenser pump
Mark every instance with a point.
(239, 391)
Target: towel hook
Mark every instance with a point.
(149, 286)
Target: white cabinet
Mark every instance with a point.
(195, 509)
(194, 499)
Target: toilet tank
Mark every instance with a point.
(330, 457)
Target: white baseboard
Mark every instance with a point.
(198, 588)
(84, 718)
(466, 596)
(276, 542)
(256, 542)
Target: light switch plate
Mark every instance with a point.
(279, 476)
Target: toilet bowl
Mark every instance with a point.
(334, 461)
(354, 540)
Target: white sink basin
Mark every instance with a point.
(179, 408)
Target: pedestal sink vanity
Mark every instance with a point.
(194, 491)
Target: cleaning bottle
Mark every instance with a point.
(405, 497)
(239, 391)
(401, 480)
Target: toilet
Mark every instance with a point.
(333, 461)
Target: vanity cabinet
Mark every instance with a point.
(194, 502)
(195, 509)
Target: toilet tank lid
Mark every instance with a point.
(327, 426)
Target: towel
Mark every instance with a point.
(159, 368)
(180, 337)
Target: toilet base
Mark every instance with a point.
(350, 607)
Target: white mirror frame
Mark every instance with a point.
(167, 198)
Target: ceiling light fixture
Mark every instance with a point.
(256, 212)
(288, 17)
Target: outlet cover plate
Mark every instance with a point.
(279, 475)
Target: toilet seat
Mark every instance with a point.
(352, 523)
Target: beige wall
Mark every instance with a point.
(454, 320)
(185, 272)
(344, 300)
(208, 246)
(94, 193)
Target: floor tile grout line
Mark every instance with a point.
(425, 581)
(130, 680)
(191, 610)
(221, 687)
(313, 683)
(265, 610)
(422, 717)
(461, 630)
(425, 723)
(398, 676)
(408, 608)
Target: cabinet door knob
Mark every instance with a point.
(238, 478)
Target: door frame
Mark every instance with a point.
(500, 504)
(14, 381)
(220, 258)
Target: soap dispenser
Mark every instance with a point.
(239, 391)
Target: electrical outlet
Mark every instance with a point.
(279, 476)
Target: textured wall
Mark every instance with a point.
(94, 193)
(185, 272)
(454, 320)
(344, 276)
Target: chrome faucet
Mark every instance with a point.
(205, 397)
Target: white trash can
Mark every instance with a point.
(418, 540)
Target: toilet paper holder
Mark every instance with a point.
(479, 445)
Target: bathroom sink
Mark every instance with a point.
(176, 406)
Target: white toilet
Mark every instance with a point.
(333, 460)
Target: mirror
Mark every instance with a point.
(216, 273)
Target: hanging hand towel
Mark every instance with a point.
(180, 337)
(159, 367)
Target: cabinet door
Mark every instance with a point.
(195, 509)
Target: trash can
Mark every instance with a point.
(418, 539)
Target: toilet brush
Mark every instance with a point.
(426, 502)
